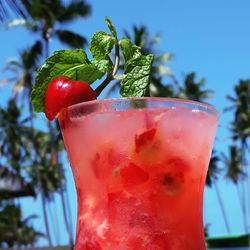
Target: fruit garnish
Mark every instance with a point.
(48, 96)
(174, 178)
(146, 150)
(132, 175)
(63, 92)
(173, 182)
(143, 139)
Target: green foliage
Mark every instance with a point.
(241, 105)
(129, 50)
(137, 69)
(213, 169)
(193, 90)
(14, 230)
(70, 38)
(111, 28)
(101, 45)
(236, 161)
(137, 77)
(12, 185)
(11, 6)
(233, 165)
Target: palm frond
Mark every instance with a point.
(12, 185)
(10, 8)
(31, 56)
(213, 169)
(3, 82)
(30, 25)
(74, 10)
(230, 98)
(70, 38)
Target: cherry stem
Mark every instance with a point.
(111, 75)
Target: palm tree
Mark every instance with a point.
(236, 174)
(241, 106)
(14, 230)
(192, 89)
(240, 131)
(23, 74)
(211, 180)
(16, 159)
(46, 18)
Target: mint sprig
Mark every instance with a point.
(76, 65)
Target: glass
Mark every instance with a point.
(139, 166)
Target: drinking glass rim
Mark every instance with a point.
(180, 102)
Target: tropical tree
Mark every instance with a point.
(237, 162)
(192, 89)
(15, 230)
(212, 181)
(44, 19)
(15, 159)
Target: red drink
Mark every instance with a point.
(139, 168)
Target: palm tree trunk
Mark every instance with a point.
(248, 193)
(244, 200)
(55, 215)
(66, 218)
(54, 223)
(242, 207)
(45, 216)
(244, 188)
(222, 207)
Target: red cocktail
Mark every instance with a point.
(139, 166)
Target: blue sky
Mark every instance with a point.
(211, 38)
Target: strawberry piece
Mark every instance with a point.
(143, 139)
(174, 178)
(132, 175)
(63, 92)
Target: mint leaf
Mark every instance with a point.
(104, 65)
(111, 27)
(73, 64)
(101, 45)
(129, 49)
(137, 77)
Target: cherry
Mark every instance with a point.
(63, 92)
